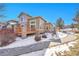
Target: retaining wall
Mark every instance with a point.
(24, 49)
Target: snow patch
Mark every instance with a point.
(27, 41)
(61, 35)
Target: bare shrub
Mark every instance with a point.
(37, 37)
(6, 37)
(44, 36)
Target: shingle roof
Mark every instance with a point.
(38, 17)
(12, 21)
(24, 14)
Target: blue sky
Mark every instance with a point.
(50, 12)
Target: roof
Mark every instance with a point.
(22, 13)
(49, 23)
(2, 23)
(12, 21)
(38, 17)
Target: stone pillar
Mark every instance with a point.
(23, 22)
(23, 35)
(24, 31)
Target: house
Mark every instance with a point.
(11, 24)
(29, 25)
(2, 25)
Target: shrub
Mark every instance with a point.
(37, 37)
(18, 35)
(6, 37)
(44, 36)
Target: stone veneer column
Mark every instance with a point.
(23, 26)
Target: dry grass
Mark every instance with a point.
(74, 51)
(68, 38)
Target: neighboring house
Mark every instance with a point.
(12, 24)
(2, 26)
(28, 24)
(69, 28)
(49, 27)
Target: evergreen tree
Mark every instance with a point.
(60, 23)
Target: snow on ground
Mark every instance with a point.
(49, 35)
(28, 41)
(61, 35)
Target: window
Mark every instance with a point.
(32, 27)
(22, 25)
(32, 22)
(4, 27)
(22, 19)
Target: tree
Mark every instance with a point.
(60, 23)
(2, 9)
(76, 18)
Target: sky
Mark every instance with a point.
(49, 11)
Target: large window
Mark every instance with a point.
(22, 19)
(32, 27)
(41, 24)
(32, 24)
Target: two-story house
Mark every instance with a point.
(28, 24)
